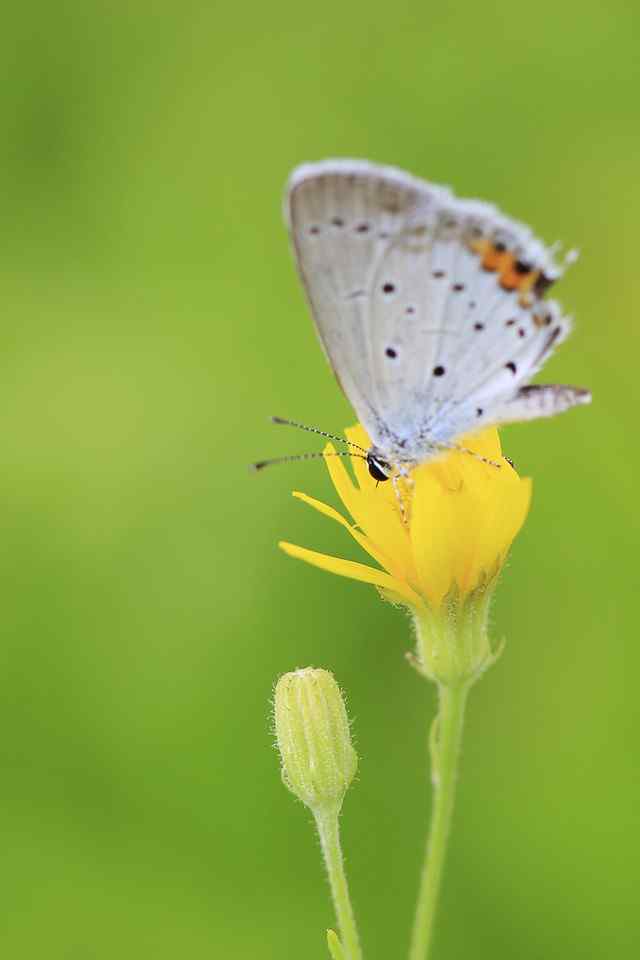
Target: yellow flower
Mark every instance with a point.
(440, 552)
(461, 516)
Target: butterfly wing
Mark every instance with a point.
(351, 227)
(428, 307)
(540, 400)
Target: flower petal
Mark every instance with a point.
(359, 436)
(376, 515)
(502, 518)
(355, 571)
(435, 533)
(465, 516)
(360, 538)
(485, 442)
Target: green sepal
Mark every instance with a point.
(453, 644)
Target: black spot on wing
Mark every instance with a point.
(542, 284)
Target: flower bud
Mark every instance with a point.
(314, 740)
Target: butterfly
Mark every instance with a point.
(429, 307)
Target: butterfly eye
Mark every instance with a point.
(377, 468)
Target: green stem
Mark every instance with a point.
(445, 749)
(329, 831)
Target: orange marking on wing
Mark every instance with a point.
(513, 279)
(509, 279)
(504, 263)
(491, 258)
(495, 259)
(480, 247)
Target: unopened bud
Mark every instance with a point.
(312, 728)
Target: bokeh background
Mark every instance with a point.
(152, 321)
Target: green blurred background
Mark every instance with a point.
(152, 322)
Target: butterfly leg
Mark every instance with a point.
(407, 479)
(477, 456)
(398, 492)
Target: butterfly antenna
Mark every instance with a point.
(322, 433)
(261, 464)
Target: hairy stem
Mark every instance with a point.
(329, 831)
(445, 749)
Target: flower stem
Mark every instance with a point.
(329, 831)
(445, 749)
